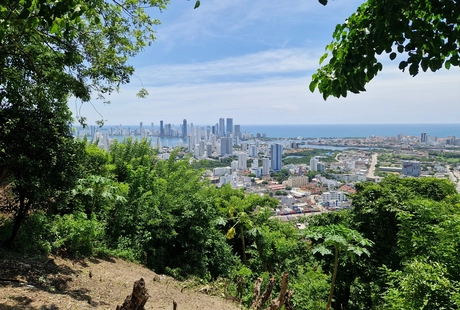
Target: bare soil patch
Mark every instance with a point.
(58, 283)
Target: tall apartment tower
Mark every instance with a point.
(253, 151)
(221, 127)
(229, 127)
(314, 164)
(265, 166)
(423, 138)
(237, 131)
(162, 129)
(226, 146)
(208, 149)
(277, 156)
(242, 161)
(184, 128)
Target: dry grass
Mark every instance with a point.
(58, 283)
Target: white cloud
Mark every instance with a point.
(394, 97)
(275, 62)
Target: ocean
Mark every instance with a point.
(353, 131)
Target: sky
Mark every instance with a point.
(253, 61)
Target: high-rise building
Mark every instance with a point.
(158, 144)
(168, 130)
(314, 163)
(221, 127)
(253, 151)
(162, 129)
(277, 156)
(320, 167)
(226, 146)
(229, 127)
(242, 161)
(201, 148)
(423, 137)
(265, 166)
(184, 128)
(238, 130)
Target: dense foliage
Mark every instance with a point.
(423, 33)
(399, 239)
(412, 223)
(51, 51)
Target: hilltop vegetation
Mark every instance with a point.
(398, 241)
(396, 248)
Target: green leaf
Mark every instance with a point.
(312, 85)
(54, 28)
(403, 65)
(322, 58)
(392, 56)
(197, 4)
(413, 69)
(323, 2)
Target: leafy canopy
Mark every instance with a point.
(424, 33)
(71, 48)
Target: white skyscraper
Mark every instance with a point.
(265, 166)
(314, 164)
(158, 143)
(242, 161)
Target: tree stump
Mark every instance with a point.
(137, 299)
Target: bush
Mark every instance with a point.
(311, 288)
(75, 234)
(33, 235)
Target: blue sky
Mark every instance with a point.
(253, 60)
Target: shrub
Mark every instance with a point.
(75, 234)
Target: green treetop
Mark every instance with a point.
(424, 33)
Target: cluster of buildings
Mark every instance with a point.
(253, 161)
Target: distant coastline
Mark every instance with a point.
(334, 130)
(353, 131)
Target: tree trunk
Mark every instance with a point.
(334, 274)
(255, 297)
(261, 257)
(3, 173)
(137, 299)
(259, 301)
(243, 245)
(279, 302)
(24, 208)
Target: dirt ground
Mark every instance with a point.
(57, 283)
